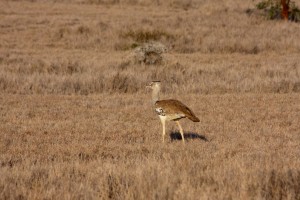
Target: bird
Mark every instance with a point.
(169, 109)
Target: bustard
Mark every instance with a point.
(170, 109)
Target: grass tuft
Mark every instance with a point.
(143, 36)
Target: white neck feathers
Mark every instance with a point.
(155, 94)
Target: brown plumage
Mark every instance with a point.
(170, 109)
(175, 108)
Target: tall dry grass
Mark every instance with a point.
(109, 147)
(84, 49)
(76, 120)
(197, 73)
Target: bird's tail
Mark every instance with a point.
(194, 118)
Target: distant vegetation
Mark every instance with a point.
(280, 9)
(210, 49)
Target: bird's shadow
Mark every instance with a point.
(175, 135)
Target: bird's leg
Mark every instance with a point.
(181, 131)
(164, 130)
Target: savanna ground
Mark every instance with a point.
(76, 121)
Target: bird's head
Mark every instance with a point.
(154, 85)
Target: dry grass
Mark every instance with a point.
(76, 120)
(71, 48)
(110, 147)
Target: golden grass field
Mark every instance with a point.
(76, 120)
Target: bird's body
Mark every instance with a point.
(170, 109)
(174, 110)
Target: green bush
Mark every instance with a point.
(294, 13)
(273, 9)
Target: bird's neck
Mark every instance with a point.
(155, 95)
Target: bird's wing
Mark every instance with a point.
(172, 106)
